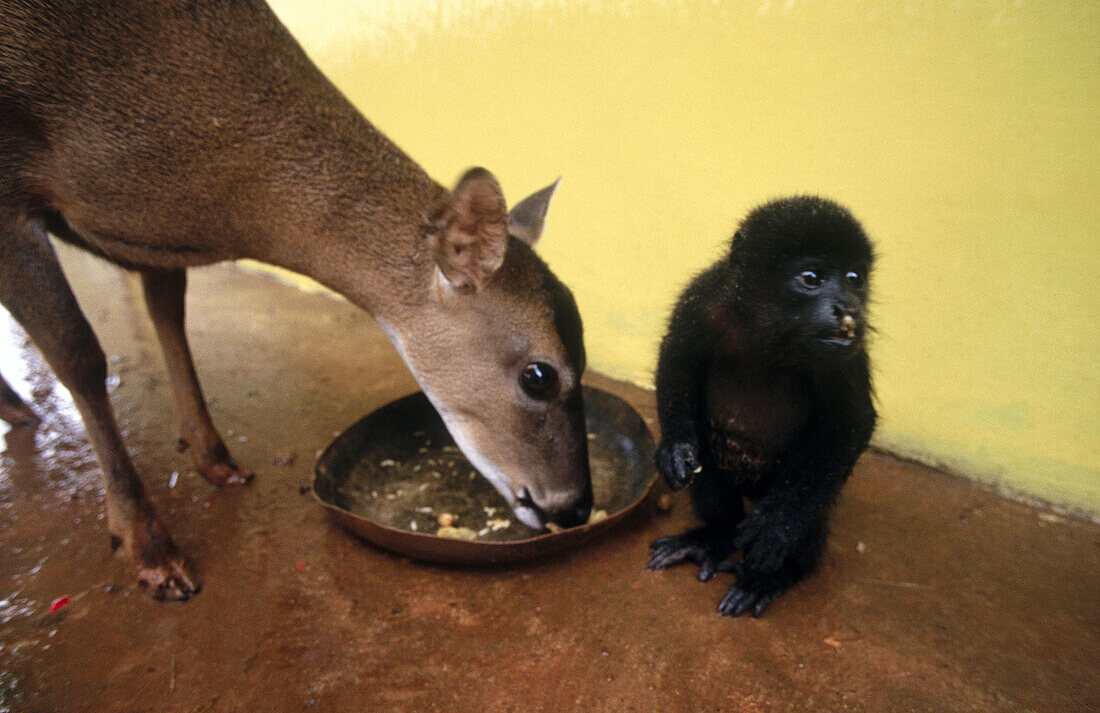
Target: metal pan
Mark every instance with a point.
(389, 477)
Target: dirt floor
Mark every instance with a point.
(935, 595)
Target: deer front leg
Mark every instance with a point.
(33, 288)
(164, 296)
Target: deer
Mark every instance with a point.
(162, 135)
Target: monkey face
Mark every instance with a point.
(825, 305)
(800, 270)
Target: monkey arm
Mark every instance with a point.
(808, 479)
(800, 498)
(679, 414)
(681, 382)
(782, 540)
(683, 364)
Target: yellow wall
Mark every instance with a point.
(965, 136)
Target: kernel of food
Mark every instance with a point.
(461, 533)
(596, 516)
(664, 503)
(446, 519)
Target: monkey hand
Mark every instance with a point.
(766, 543)
(678, 462)
(762, 573)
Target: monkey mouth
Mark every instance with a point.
(846, 333)
(840, 339)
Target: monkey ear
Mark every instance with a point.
(470, 231)
(526, 220)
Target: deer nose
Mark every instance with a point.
(575, 514)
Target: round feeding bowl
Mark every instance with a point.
(396, 478)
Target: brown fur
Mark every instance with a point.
(166, 134)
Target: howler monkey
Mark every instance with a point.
(764, 393)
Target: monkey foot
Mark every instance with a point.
(738, 601)
(703, 546)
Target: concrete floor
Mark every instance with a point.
(935, 595)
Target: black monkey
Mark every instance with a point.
(764, 393)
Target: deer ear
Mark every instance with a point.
(471, 231)
(526, 219)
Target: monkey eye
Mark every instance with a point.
(809, 279)
(538, 379)
(856, 279)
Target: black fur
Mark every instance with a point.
(764, 392)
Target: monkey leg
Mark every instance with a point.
(12, 408)
(761, 579)
(33, 288)
(164, 297)
(719, 505)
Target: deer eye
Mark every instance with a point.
(538, 379)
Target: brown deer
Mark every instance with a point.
(166, 134)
